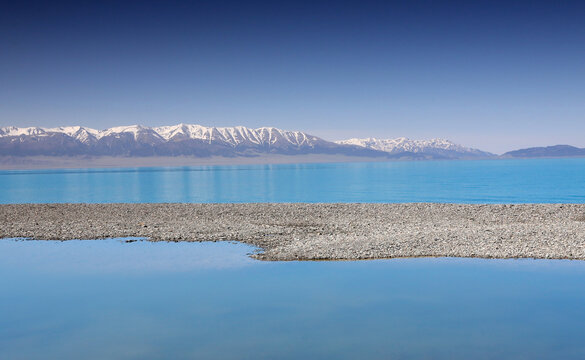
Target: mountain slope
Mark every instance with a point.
(182, 139)
(438, 148)
(548, 151)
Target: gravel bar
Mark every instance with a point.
(303, 231)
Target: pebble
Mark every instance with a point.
(301, 231)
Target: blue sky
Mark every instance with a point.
(493, 75)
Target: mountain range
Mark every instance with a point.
(201, 141)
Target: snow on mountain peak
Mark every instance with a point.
(403, 144)
(232, 136)
(190, 138)
(16, 131)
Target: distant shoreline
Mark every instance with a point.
(80, 162)
(59, 162)
(301, 231)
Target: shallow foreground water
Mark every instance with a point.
(143, 300)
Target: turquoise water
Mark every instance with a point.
(487, 181)
(105, 299)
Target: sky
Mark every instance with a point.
(493, 75)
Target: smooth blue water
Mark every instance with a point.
(114, 300)
(104, 299)
(484, 181)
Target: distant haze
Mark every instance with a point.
(497, 76)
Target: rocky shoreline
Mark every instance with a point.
(321, 231)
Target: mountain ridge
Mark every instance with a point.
(436, 146)
(175, 140)
(197, 140)
(546, 151)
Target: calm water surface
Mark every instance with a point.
(487, 181)
(105, 299)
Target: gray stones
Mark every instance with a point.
(321, 231)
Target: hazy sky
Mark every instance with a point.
(492, 75)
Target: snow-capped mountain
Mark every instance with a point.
(238, 135)
(197, 140)
(182, 139)
(439, 147)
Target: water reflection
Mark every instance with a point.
(487, 181)
(112, 300)
(127, 255)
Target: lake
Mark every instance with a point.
(483, 181)
(107, 299)
(110, 299)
